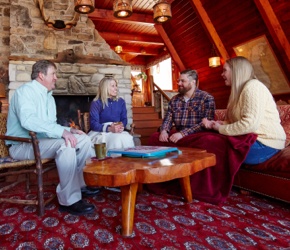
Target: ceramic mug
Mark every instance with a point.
(101, 151)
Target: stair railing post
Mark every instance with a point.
(162, 106)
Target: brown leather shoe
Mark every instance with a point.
(79, 208)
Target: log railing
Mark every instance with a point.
(163, 96)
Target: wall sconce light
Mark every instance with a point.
(214, 60)
(84, 6)
(118, 49)
(122, 8)
(162, 12)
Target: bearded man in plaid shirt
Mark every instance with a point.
(187, 109)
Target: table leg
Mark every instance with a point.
(186, 188)
(128, 194)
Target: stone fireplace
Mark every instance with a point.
(82, 56)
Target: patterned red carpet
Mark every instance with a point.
(161, 222)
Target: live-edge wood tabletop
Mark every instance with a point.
(121, 171)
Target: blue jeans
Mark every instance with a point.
(259, 153)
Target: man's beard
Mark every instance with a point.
(183, 90)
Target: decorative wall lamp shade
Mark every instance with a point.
(122, 8)
(118, 49)
(162, 12)
(214, 60)
(84, 6)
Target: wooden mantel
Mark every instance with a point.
(68, 56)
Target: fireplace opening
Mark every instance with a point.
(67, 108)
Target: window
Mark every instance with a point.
(162, 74)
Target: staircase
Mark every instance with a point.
(146, 121)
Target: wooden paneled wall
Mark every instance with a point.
(236, 22)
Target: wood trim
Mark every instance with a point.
(275, 29)
(170, 46)
(123, 37)
(205, 20)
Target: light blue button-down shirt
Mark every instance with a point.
(32, 108)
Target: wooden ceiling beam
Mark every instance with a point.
(170, 46)
(111, 36)
(205, 20)
(275, 29)
(108, 15)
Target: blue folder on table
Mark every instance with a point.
(143, 151)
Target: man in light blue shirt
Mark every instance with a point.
(33, 108)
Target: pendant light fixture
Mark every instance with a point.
(118, 49)
(84, 6)
(162, 12)
(122, 8)
(214, 60)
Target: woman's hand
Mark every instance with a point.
(216, 125)
(207, 123)
(117, 127)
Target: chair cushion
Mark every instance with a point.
(278, 165)
(284, 112)
(7, 159)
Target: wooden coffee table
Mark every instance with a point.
(127, 173)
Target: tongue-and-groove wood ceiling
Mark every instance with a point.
(195, 26)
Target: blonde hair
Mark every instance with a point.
(242, 71)
(103, 92)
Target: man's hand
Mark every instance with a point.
(207, 123)
(69, 138)
(175, 137)
(163, 136)
(76, 131)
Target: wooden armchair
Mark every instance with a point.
(22, 170)
(84, 123)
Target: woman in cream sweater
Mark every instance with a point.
(251, 109)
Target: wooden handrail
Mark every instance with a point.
(162, 92)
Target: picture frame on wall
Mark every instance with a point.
(267, 68)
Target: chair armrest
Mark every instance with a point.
(14, 138)
(132, 127)
(32, 140)
(131, 130)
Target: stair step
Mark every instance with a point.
(146, 116)
(147, 123)
(145, 131)
(142, 110)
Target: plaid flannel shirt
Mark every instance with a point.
(187, 116)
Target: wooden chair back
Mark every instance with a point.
(3, 148)
(21, 170)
